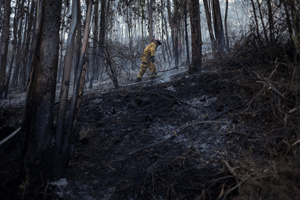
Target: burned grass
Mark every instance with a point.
(220, 134)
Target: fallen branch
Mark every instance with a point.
(10, 136)
(238, 185)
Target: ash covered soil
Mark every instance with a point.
(167, 140)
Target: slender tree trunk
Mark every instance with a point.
(142, 4)
(15, 79)
(78, 44)
(225, 22)
(186, 34)
(95, 44)
(4, 49)
(209, 25)
(102, 34)
(168, 49)
(78, 87)
(176, 31)
(171, 25)
(288, 18)
(65, 86)
(256, 20)
(271, 22)
(15, 25)
(61, 57)
(162, 30)
(33, 46)
(26, 46)
(218, 26)
(38, 115)
(196, 37)
(262, 21)
(150, 21)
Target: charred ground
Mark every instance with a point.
(207, 142)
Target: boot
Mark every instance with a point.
(138, 79)
(152, 77)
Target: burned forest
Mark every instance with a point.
(150, 99)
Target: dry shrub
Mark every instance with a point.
(271, 180)
(270, 75)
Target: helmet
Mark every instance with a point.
(157, 41)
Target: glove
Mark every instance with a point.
(152, 59)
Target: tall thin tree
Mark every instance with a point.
(4, 49)
(37, 122)
(196, 37)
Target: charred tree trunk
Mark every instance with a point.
(37, 122)
(218, 26)
(176, 31)
(150, 20)
(209, 25)
(186, 34)
(4, 49)
(32, 41)
(162, 30)
(196, 37)
(78, 44)
(225, 22)
(102, 35)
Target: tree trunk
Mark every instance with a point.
(14, 52)
(262, 21)
(37, 123)
(150, 21)
(78, 44)
(196, 37)
(209, 25)
(15, 78)
(102, 35)
(171, 25)
(162, 30)
(271, 22)
(225, 22)
(142, 4)
(65, 85)
(4, 49)
(95, 44)
(25, 48)
(186, 34)
(78, 87)
(256, 20)
(33, 44)
(176, 31)
(218, 26)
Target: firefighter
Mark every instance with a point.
(148, 60)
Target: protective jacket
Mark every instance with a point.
(148, 53)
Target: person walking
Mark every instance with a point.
(148, 60)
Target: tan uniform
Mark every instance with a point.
(148, 53)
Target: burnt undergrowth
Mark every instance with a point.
(228, 132)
